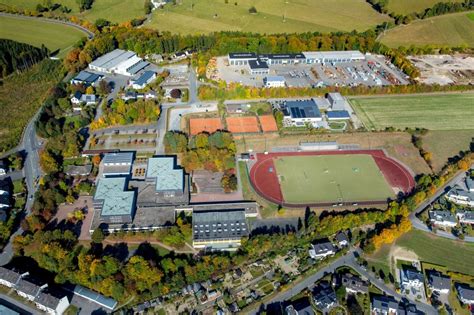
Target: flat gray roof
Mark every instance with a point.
(168, 177)
(120, 158)
(112, 59)
(219, 224)
(116, 200)
(95, 297)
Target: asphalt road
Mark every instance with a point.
(350, 261)
(419, 225)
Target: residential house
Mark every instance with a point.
(9, 278)
(4, 194)
(354, 284)
(466, 217)
(299, 307)
(411, 278)
(150, 95)
(88, 99)
(342, 239)
(384, 305)
(3, 168)
(462, 194)
(465, 294)
(27, 289)
(442, 218)
(322, 250)
(51, 304)
(439, 283)
(324, 296)
(76, 98)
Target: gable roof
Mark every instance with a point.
(439, 281)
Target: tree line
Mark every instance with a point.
(15, 56)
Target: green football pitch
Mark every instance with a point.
(331, 178)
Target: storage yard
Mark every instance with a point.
(308, 69)
(445, 69)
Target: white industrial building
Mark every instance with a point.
(333, 56)
(120, 62)
(274, 81)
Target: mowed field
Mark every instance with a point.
(449, 30)
(274, 16)
(112, 10)
(445, 144)
(331, 178)
(433, 111)
(37, 32)
(410, 6)
(455, 255)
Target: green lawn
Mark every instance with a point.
(37, 32)
(410, 6)
(446, 30)
(274, 16)
(331, 178)
(455, 255)
(112, 10)
(434, 112)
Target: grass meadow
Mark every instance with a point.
(204, 16)
(410, 6)
(433, 111)
(112, 10)
(455, 255)
(446, 144)
(36, 32)
(446, 30)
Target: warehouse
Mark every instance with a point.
(146, 78)
(219, 229)
(274, 81)
(120, 62)
(241, 59)
(301, 112)
(333, 56)
(282, 59)
(337, 101)
(86, 78)
(258, 67)
(112, 200)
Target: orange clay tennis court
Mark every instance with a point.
(268, 123)
(242, 124)
(210, 125)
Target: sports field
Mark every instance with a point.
(331, 178)
(410, 6)
(455, 29)
(37, 32)
(434, 111)
(273, 16)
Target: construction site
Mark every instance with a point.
(445, 69)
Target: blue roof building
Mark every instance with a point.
(144, 79)
(338, 115)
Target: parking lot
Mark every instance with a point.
(374, 71)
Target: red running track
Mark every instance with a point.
(266, 183)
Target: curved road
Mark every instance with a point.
(419, 225)
(90, 34)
